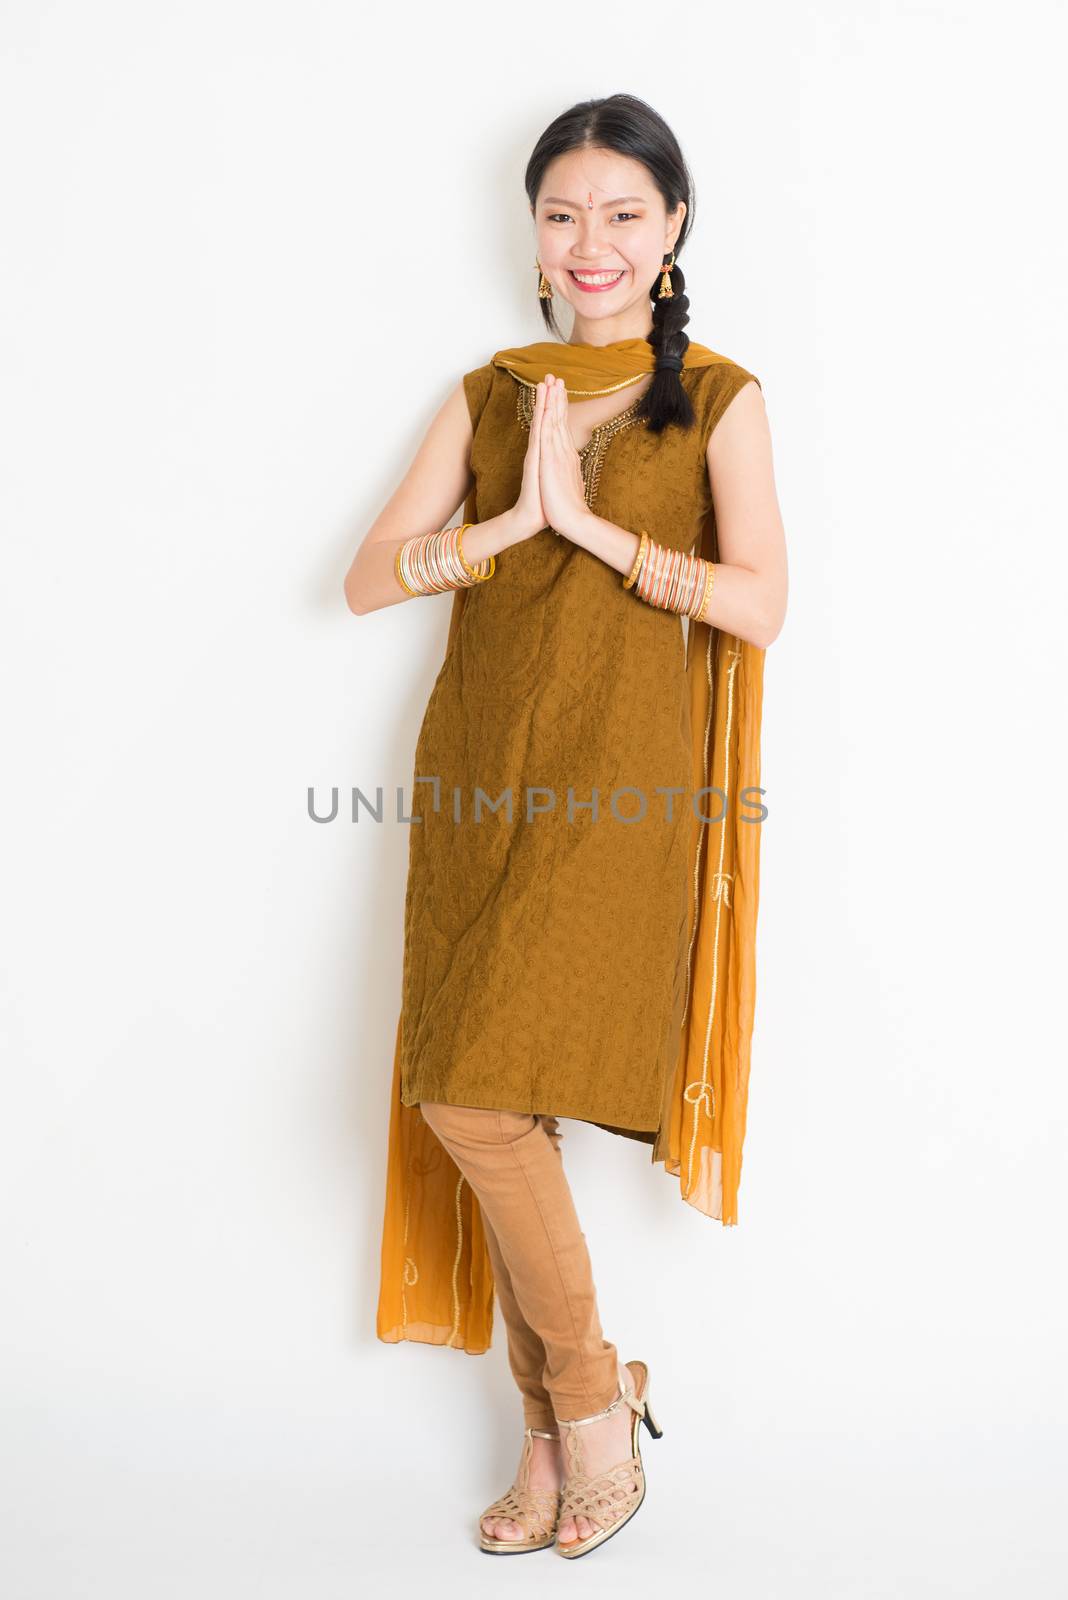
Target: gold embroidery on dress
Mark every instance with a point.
(592, 453)
(701, 835)
(410, 1275)
(719, 892)
(419, 1168)
(456, 1267)
(721, 886)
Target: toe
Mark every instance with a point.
(565, 1533)
(585, 1527)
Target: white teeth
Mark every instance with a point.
(598, 277)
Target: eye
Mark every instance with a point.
(563, 216)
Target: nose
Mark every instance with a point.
(589, 245)
(592, 251)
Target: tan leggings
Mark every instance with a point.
(562, 1363)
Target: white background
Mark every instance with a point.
(247, 251)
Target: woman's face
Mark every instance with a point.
(625, 234)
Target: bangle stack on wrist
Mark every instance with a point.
(672, 580)
(431, 563)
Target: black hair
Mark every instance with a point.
(627, 125)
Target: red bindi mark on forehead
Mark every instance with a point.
(589, 199)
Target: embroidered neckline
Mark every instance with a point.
(592, 453)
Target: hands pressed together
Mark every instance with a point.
(552, 493)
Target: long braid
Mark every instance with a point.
(666, 400)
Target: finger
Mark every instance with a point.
(536, 422)
(558, 410)
(540, 404)
(549, 410)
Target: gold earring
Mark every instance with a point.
(545, 288)
(666, 291)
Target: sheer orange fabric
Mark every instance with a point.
(436, 1283)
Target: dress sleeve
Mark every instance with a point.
(477, 385)
(730, 379)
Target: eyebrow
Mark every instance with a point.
(558, 200)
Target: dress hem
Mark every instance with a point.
(645, 1131)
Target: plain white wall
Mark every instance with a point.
(247, 251)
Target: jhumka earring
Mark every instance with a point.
(545, 288)
(666, 291)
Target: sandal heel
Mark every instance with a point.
(596, 1496)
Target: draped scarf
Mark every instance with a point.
(436, 1283)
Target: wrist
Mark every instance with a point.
(579, 525)
(515, 527)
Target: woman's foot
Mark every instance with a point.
(604, 1444)
(546, 1472)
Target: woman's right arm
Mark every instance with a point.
(438, 480)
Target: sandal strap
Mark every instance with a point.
(534, 1509)
(604, 1498)
(626, 1396)
(572, 1446)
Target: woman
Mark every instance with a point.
(583, 871)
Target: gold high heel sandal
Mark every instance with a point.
(610, 1498)
(535, 1510)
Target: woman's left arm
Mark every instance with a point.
(749, 593)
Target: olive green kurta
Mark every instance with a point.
(545, 957)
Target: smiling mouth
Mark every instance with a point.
(596, 280)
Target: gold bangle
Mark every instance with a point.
(479, 577)
(397, 571)
(643, 543)
(700, 617)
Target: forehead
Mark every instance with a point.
(602, 173)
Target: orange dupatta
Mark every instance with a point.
(436, 1284)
